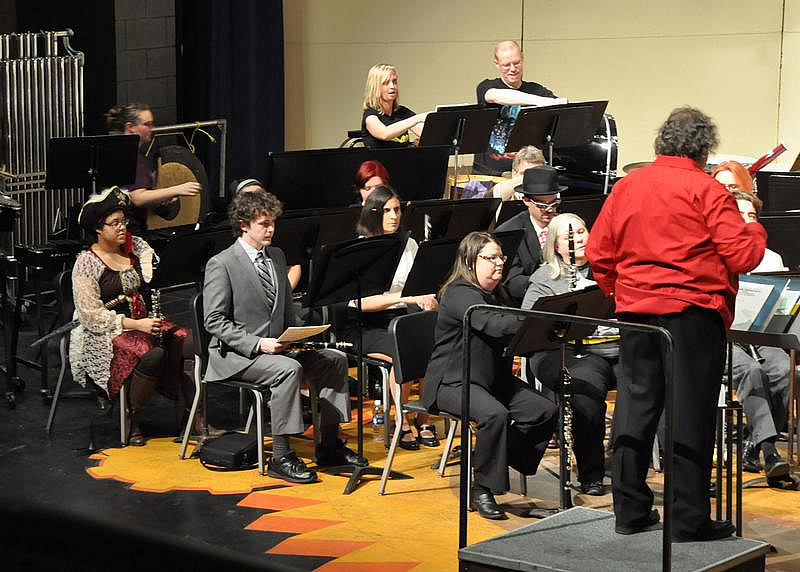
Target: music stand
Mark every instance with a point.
(297, 237)
(92, 161)
(348, 271)
(509, 242)
(556, 126)
(536, 334)
(183, 258)
(448, 218)
(465, 128)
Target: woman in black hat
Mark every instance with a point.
(116, 340)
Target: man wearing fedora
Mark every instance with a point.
(540, 193)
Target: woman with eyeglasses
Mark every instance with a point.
(514, 421)
(380, 215)
(591, 367)
(117, 341)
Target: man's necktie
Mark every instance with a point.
(542, 237)
(266, 279)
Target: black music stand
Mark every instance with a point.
(556, 126)
(536, 334)
(183, 258)
(466, 128)
(91, 162)
(297, 237)
(349, 271)
(448, 218)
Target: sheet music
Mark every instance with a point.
(298, 333)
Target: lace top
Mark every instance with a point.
(94, 284)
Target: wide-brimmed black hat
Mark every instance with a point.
(99, 206)
(538, 181)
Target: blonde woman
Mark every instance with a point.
(386, 123)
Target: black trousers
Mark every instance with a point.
(699, 357)
(499, 442)
(591, 377)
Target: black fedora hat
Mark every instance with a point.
(99, 206)
(538, 181)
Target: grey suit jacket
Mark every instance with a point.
(235, 309)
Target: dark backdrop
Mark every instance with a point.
(230, 65)
(93, 24)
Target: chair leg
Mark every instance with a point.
(451, 433)
(124, 429)
(386, 392)
(314, 415)
(62, 347)
(387, 468)
(656, 456)
(249, 418)
(198, 388)
(259, 407)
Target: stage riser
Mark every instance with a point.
(581, 539)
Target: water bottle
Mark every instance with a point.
(377, 421)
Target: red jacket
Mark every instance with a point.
(669, 237)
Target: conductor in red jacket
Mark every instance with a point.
(668, 246)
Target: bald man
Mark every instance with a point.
(507, 92)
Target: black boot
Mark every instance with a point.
(140, 388)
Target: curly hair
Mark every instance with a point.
(119, 115)
(687, 132)
(245, 207)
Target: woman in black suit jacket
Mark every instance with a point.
(497, 397)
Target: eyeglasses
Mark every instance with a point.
(496, 259)
(509, 65)
(117, 223)
(547, 206)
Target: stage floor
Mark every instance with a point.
(147, 492)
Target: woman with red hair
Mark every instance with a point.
(369, 176)
(734, 176)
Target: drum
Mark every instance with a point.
(590, 168)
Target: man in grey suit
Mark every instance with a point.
(247, 305)
(540, 190)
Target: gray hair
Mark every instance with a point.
(528, 154)
(551, 256)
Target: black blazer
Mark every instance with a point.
(491, 333)
(527, 259)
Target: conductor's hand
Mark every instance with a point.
(272, 346)
(149, 325)
(189, 189)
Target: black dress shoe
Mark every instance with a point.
(775, 466)
(427, 441)
(408, 445)
(750, 462)
(290, 468)
(338, 455)
(593, 488)
(636, 527)
(713, 530)
(483, 502)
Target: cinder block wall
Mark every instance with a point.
(145, 33)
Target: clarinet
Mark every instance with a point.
(565, 403)
(155, 302)
(320, 345)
